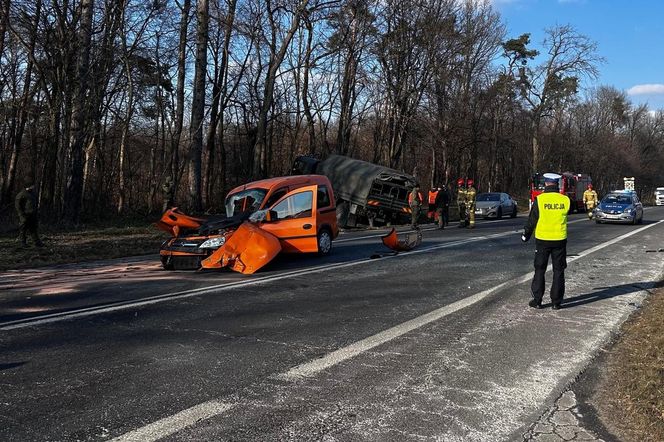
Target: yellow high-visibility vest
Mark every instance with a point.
(552, 222)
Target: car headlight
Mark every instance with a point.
(627, 210)
(213, 243)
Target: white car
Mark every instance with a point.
(495, 205)
(659, 196)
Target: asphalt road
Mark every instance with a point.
(435, 344)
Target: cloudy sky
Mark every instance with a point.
(629, 33)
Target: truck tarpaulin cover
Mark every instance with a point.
(351, 179)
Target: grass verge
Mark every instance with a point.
(79, 245)
(631, 393)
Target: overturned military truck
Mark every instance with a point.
(365, 192)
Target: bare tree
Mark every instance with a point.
(570, 56)
(277, 48)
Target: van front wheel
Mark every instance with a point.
(324, 242)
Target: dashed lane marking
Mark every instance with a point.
(177, 422)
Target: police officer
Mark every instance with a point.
(442, 204)
(471, 194)
(548, 221)
(28, 214)
(461, 201)
(590, 200)
(415, 203)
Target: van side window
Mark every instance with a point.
(276, 196)
(295, 206)
(323, 197)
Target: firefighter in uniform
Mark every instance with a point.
(431, 213)
(415, 203)
(461, 201)
(590, 200)
(548, 221)
(471, 194)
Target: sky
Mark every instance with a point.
(629, 35)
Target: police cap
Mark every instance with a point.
(551, 178)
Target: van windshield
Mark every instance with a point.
(244, 201)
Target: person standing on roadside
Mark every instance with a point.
(590, 200)
(28, 214)
(168, 190)
(415, 203)
(461, 202)
(471, 194)
(548, 221)
(431, 209)
(442, 204)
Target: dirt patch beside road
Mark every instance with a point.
(80, 245)
(630, 394)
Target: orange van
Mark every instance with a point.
(293, 214)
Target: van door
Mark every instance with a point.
(296, 220)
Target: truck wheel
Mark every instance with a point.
(324, 242)
(343, 209)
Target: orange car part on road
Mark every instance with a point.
(246, 251)
(391, 240)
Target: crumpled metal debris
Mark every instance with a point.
(409, 241)
(391, 240)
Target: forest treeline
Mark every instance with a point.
(101, 100)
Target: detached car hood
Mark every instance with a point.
(246, 250)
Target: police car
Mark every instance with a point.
(619, 207)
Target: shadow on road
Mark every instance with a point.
(606, 293)
(10, 365)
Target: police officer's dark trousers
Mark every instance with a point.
(558, 252)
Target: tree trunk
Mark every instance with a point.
(174, 160)
(74, 178)
(276, 58)
(198, 107)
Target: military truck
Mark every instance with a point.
(365, 192)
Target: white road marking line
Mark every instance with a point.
(123, 305)
(177, 422)
(311, 368)
(182, 420)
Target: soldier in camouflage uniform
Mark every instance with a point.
(28, 215)
(471, 194)
(415, 203)
(169, 193)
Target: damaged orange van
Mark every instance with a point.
(293, 214)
